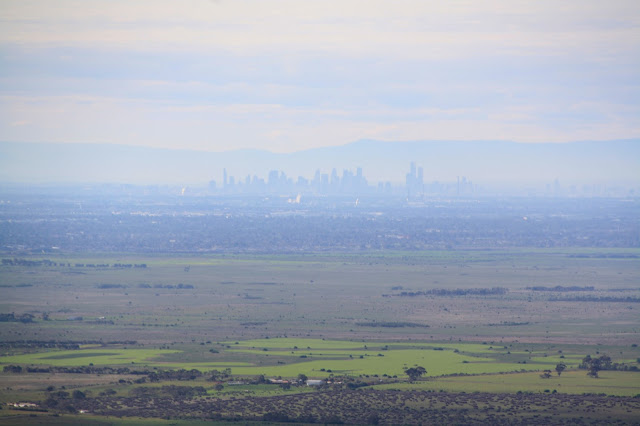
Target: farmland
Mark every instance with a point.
(223, 298)
(121, 309)
(358, 322)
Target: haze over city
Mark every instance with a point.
(359, 212)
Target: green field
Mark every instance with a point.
(327, 315)
(85, 357)
(284, 357)
(573, 382)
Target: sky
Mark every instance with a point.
(290, 75)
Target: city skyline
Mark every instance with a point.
(490, 163)
(414, 186)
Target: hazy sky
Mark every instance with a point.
(290, 75)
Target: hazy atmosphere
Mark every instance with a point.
(318, 212)
(291, 75)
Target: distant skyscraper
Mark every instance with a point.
(277, 182)
(335, 179)
(414, 181)
(324, 182)
(273, 178)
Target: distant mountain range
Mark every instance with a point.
(490, 162)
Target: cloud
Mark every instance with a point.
(426, 29)
(284, 128)
(286, 74)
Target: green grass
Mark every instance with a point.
(379, 358)
(317, 344)
(140, 357)
(314, 357)
(474, 348)
(574, 382)
(85, 357)
(80, 355)
(325, 295)
(392, 363)
(290, 343)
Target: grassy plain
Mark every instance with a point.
(325, 296)
(573, 382)
(83, 357)
(329, 314)
(318, 358)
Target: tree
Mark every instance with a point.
(415, 373)
(594, 365)
(217, 375)
(546, 374)
(302, 378)
(560, 368)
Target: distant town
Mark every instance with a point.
(355, 183)
(346, 183)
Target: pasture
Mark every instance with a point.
(288, 357)
(87, 357)
(225, 298)
(572, 382)
(365, 317)
(476, 365)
